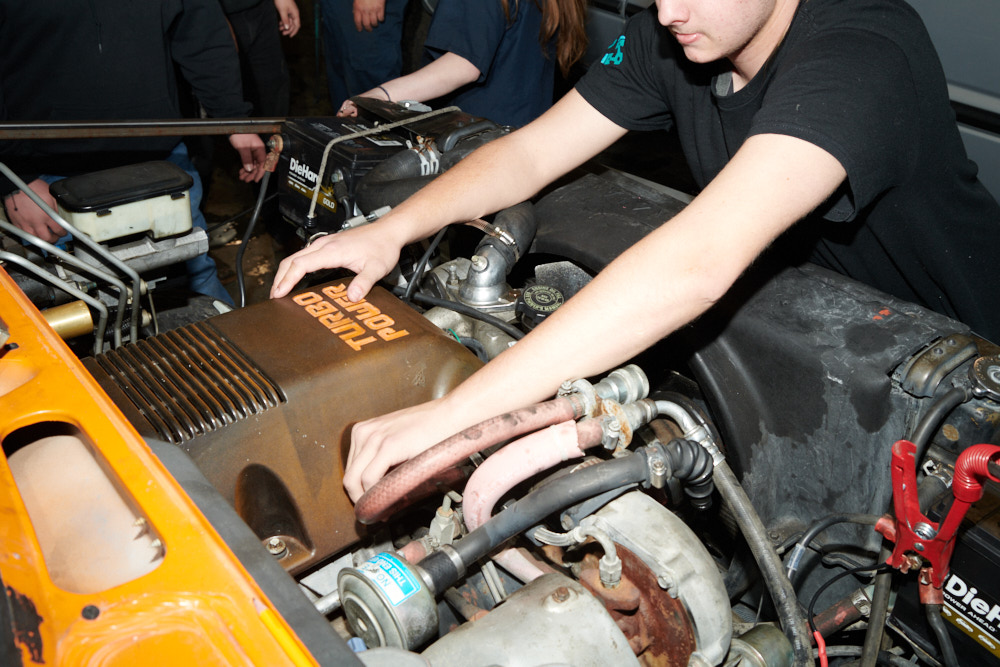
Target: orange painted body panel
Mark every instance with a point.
(197, 606)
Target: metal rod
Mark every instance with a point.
(80, 265)
(102, 322)
(138, 128)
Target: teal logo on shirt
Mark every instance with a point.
(614, 56)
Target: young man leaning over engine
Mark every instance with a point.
(824, 125)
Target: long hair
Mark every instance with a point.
(566, 21)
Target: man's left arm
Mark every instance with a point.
(664, 281)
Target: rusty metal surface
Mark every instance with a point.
(282, 467)
(657, 626)
(137, 128)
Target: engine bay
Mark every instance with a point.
(796, 478)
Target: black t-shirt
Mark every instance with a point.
(861, 80)
(516, 73)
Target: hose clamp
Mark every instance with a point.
(455, 559)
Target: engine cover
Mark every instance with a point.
(264, 398)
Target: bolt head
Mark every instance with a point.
(276, 546)
(560, 594)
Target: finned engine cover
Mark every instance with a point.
(263, 400)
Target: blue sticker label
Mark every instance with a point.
(392, 577)
(614, 56)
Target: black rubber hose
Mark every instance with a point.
(554, 495)
(455, 137)
(738, 578)
(518, 221)
(884, 657)
(404, 164)
(240, 280)
(505, 327)
(933, 614)
(692, 464)
(927, 427)
(930, 488)
(371, 195)
(793, 621)
(877, 615)
(397, 178)
(476, 347)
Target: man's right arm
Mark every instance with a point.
(500, 174)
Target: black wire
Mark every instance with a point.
(923, 434)
(478, 348)
(418, 272)
(933, 614)
(505, 327)
(246, 239)
(880, 567)
(826, 522)
(884, 657)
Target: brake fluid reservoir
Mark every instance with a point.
(106, 205)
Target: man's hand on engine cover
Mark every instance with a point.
(379, 444)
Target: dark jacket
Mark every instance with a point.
(109, 60)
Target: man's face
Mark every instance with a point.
(712, 29)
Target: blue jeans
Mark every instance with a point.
(202, 276)
(356, 61)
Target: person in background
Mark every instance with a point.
(816, 129)
(362, 43)
(258, 28)
(495, 58)
(101, 60)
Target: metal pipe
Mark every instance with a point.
(138, 128)
(94, 246)
(102, 324)
(329, 603)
